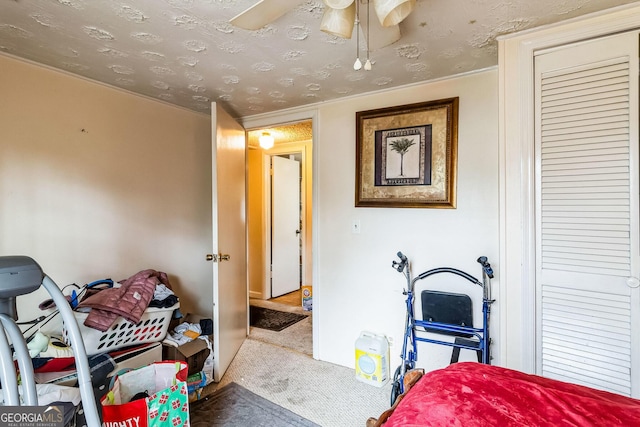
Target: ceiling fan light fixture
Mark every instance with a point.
(339, 22)
(266, 140)
(338, 4)
(392, 12)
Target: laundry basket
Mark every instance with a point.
(152, 327)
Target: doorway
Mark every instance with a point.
(293, 147)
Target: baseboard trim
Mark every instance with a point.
(254, 294)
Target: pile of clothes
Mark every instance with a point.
(184, 333)
(128, 298)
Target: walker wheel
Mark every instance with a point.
(395, 391)
(395, 388)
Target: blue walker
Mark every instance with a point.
(443, 313)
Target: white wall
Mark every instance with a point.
(356, 289)
(96, 183)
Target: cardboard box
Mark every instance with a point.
(194, 352)
(138, 358)
(307, 298)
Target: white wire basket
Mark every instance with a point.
(152, 327)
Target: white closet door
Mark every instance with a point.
(587, 307)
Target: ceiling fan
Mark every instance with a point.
(338, 19)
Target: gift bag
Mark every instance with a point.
(152, 396)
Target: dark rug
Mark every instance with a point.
(266, 318)
(234, 405)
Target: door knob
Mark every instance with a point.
(218, 257)
(633, 282)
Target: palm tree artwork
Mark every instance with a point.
(401, 146)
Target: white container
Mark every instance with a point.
(372, 359)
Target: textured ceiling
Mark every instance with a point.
(185, 51)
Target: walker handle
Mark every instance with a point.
(400, 265)
(486, 266)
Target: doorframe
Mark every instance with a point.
(516, 54)
(266, 208)
(269, 120)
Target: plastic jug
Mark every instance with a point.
(372, 359)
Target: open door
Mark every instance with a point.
(230, 292)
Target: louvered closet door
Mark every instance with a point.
(587, 306)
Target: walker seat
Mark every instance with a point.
(448, 308)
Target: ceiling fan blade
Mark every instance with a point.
(262, 13)
(376, 35)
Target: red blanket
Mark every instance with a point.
(472, 394)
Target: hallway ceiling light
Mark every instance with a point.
(266, 140)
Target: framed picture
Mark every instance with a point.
(406, 156)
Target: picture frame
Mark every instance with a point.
(406, 156)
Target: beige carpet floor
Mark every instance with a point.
(327, 394)
(278, 366)
(296, 337)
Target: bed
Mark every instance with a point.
(469, 394)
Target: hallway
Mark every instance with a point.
(298, 337)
